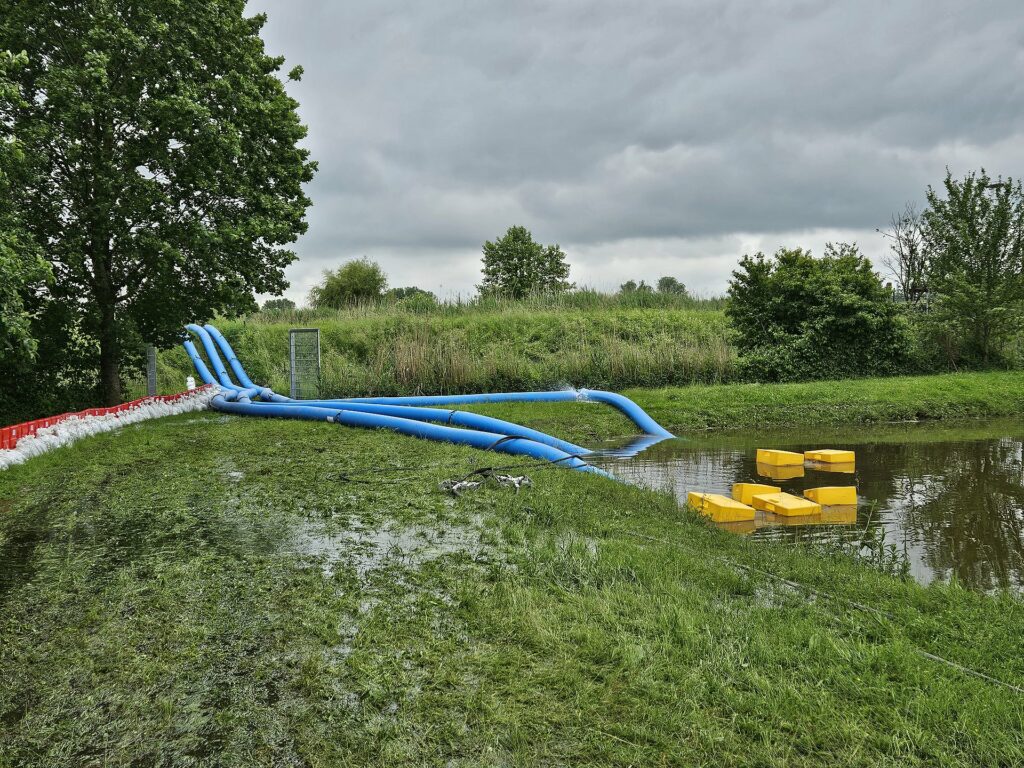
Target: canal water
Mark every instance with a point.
(946, 500)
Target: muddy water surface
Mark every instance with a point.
(949, 498)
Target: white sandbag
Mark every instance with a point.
(74, 428)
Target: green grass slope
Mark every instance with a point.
(387, 351)
(210, 590)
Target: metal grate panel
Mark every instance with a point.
(150, 370)
(304, 361)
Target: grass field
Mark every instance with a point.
(210, 590)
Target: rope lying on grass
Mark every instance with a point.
(829, 596)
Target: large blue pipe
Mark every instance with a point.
(471, 437)
(213, 357)
(229, 353)
(238, 400)
(409, 415)
(458, 418)
(633, 411)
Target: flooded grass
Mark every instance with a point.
(245, 593)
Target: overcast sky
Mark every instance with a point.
(647, 138)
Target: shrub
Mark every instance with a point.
(359, 280)
(797, 317)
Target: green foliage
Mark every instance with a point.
(632, 286)
(797, 317)
(397, 294)
(22, 268)
(278, 305)
(515, 266)
(357, 281)
(975, 235)
(669, 284)
(166, 172)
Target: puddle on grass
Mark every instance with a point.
(949, 498)
(366, 549)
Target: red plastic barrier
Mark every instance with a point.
(9, 436)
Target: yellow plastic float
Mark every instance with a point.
(785, 504)
(719, 508)
(834, 494)
(830, 456)
(744, 492)
(842, 514)
(775, 458)
(779, 473)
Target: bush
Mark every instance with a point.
(358, 281)
(278, 305)
(797, 317)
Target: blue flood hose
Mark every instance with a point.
(474, 438)
(212, 356)
(237, 400)
(446, 416)
(633, 411)
(197, 362)
(405, 414)
(229, 353)
(459, 418)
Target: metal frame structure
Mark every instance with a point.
(304, 363)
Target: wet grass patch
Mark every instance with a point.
(246, 592)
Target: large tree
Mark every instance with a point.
(974, 232)
(22, 268)
(515, 266)
(167, 172)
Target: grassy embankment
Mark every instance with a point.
(673, 360)
(219, 591)
(497, 346)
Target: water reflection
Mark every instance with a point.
(951, 499)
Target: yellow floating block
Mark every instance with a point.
(839, 515)
(847, 467)
(833, 494)
(743, 492)
(785, 504)
(830, 456)
(719, 508)
(780, 473)
(779, 458)
(740, 528)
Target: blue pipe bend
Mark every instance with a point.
(446, 416)
(229, 353)
(410, 415)
(471, 437)
(633, 411)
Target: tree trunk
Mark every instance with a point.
(110, 367)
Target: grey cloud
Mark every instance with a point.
(439, 124)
